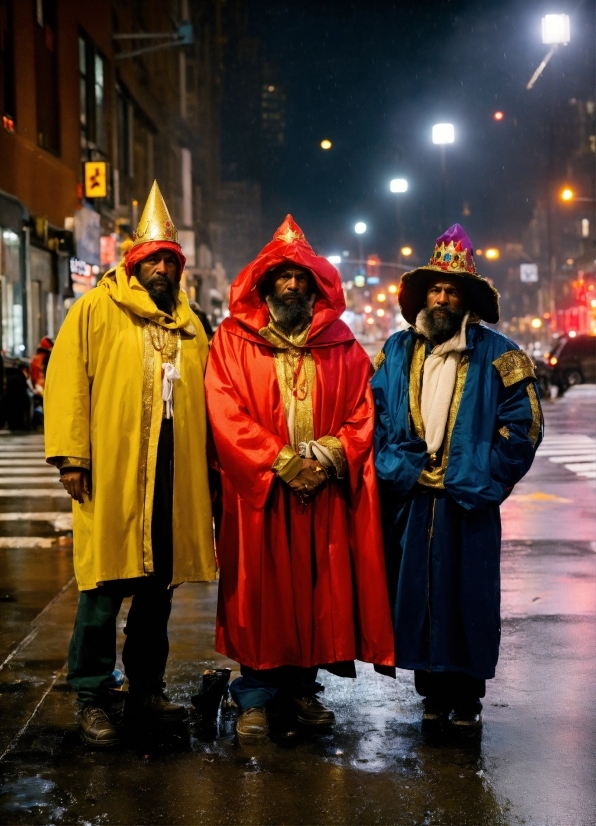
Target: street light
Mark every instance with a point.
(492, 253)
(334, 259)
(556, 31)
(326, 144)
(443, 134)
(567, 195)
(360, 229)
(406, 251)
(398, 185)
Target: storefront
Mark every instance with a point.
(13, 217)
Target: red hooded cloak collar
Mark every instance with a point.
(249, 313)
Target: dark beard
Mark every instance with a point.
(165, 300)
(290, 314)
(442, 328)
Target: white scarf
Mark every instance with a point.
(438, 383)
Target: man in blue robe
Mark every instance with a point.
(458, 422)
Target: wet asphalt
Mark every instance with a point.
(533, 762)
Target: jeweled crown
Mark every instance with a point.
(453, 258)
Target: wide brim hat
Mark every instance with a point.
(453, 256)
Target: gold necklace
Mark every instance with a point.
(165, 341)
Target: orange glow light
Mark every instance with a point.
(392, 289)
(370, 320)
(368, 309)
(381, 297)
(498, 116)
(567, 194)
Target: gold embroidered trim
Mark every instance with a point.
(283, 341)
(504, 431)
(338, 456)
(513, 366)
(286, 364)
(379, 359)
(69, 461)
(147, 478)
(415, 388)
(536, 427)
(435, 478)
(287, 464)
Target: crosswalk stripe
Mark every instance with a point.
(31, 493)
(14, 471)
(573, 457)
(21, 462)
(576, 452)
(35, 516)
(28, 480)
(18, 542)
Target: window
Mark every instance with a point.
(91, 95)
(124, 127)
(46, 77)
(7, 78)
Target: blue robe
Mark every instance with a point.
(443, 541)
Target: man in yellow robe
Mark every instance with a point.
(126, 425)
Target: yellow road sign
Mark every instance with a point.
(96, 179)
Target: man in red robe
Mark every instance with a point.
(300, 547)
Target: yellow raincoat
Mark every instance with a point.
(103, 408)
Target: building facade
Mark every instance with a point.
(81, 82)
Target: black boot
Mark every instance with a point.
(207, 700)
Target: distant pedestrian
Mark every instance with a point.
(300, 547)
(126, 425)
(39, 365)
(203, 318)
(458, 424)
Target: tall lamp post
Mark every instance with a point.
(399, 185)
(556, 31)
(443, 134)
(360, 229)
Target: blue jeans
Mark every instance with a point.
(254, 689)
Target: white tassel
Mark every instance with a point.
(170, 375)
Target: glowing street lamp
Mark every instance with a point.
(442, 135)
(398, 185)
(567, 195)
(326, 144)
(392, 289)
(556, 31)
(334, 259)
(360, 229)
(492, 253)
(405, 251)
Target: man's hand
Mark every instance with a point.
(306, 482)
(77, 483)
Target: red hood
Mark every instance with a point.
(251, 313)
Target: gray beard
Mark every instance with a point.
(290, 314)
(442, 328)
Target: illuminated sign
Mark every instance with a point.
(96, 179)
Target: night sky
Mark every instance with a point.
(374, 76)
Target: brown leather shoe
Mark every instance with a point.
(155, 706)
(253, 724)
(96, 728)
(312, 712)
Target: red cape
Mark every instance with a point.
(300, 585)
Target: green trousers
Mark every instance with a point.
(92, 652)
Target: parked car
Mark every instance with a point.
(573, 361)
(544, 373)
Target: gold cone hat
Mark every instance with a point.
(156, 223)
